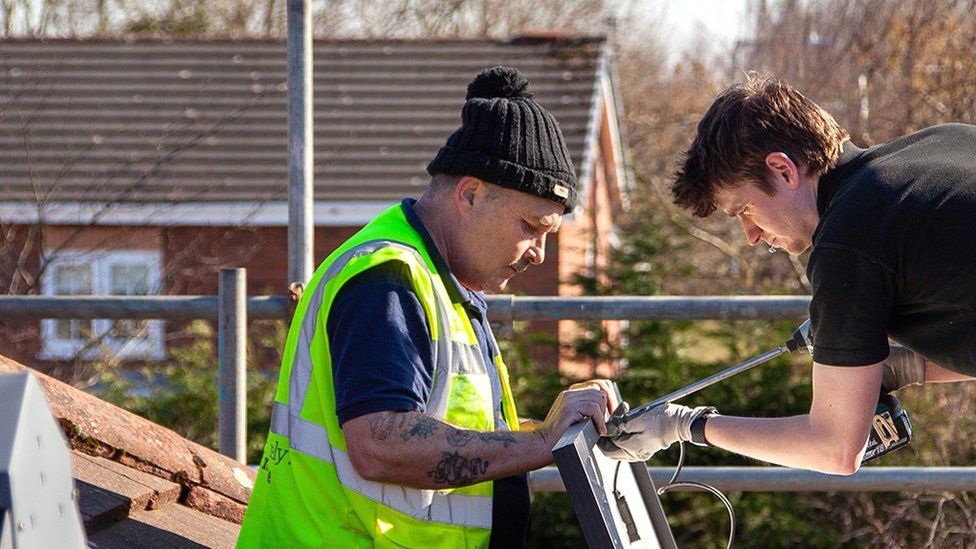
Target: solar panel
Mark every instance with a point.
(615, 501)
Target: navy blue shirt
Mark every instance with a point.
(382, 352)
(380, 342)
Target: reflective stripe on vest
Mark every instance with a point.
(451, 360)
(301, 372)
(430, 505)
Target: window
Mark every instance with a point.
(110, 272)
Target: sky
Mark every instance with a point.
(714, 24)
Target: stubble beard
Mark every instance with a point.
(495, 285)
(498, 283)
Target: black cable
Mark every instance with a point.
(687, 484)
(624, 509)
(616, 472)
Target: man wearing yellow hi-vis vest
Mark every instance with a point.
(394, 423)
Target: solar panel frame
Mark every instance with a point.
(581, 465)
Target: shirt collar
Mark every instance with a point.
(850, 157)
(458, 293)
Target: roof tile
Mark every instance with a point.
(168, 121)
(173, 526)
(97, 428)
(108, 491)
(140, 484)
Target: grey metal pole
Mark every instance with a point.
(300, 150)
(502, 308)
(165, 307)
(660, 307)
(232, 341)
(782, 479)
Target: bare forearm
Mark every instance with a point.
(830, 439)
(791, 441)
(413, 449)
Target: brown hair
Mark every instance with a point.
(747, 122)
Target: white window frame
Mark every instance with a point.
(100, 262)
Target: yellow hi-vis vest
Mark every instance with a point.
(307, 493)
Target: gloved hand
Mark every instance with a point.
(639, 438)
(902, 368)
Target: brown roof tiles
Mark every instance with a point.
(136, 478)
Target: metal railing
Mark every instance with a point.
(135, 307)
(782, 479)
(508, 308)
(233, 311)
(501, 308)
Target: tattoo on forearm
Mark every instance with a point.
(424, 427)
(505, 438)
(381, 424)
(457, 470)
(416, 425)
(408, 425)
(457, 437)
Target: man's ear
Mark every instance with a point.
(783, 168)
(467, 193)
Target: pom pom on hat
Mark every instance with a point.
(499, 82)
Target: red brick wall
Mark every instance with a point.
(18, 269)
(193, 256)
(21, 339)
(586, 251)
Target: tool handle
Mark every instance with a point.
(710, 380)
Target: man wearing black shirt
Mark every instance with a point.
(892, 230)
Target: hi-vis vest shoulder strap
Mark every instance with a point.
(306, 464)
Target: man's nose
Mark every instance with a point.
(536, 254)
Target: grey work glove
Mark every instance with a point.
(639, 438)
(902, 368)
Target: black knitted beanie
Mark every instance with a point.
(508, 139)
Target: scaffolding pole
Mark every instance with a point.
(300, 144)
(232, 364)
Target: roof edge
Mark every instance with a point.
(98, 428)
(624, 161)
(581, 39)
(595, 119)
(169, 214)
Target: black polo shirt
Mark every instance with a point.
(894, 254)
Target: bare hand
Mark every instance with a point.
(582, 401)
(604, 385)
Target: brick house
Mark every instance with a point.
(143, 166)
